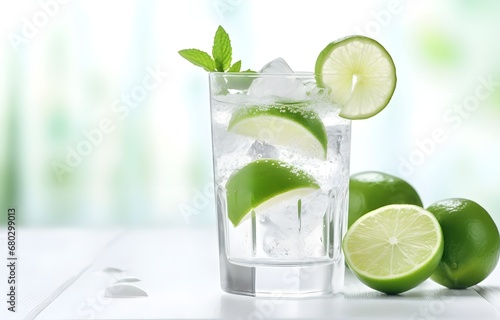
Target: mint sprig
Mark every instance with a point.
(221, 55)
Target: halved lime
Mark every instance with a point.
(290, 125)
(263, 182)
(394, 248)
(360, 73)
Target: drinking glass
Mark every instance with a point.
(281, 175)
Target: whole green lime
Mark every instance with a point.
(471, 243)
(371, 190)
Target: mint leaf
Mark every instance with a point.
(199, 58)
(221, 50)
(221, 55)
(236, 67)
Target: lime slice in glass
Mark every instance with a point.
(261, 184)
(394, 248)
(290, 125)
(360, 73)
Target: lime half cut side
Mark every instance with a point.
(360, 74)
(289, 125)
(394, 248)
(263, 182)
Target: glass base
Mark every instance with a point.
(282, 281)
(300, 279)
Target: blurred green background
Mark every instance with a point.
(102, 123)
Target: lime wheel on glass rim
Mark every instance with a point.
(360, 74)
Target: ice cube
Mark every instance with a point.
(260, 150)
(286, 88)
(286, 218)
(278, 65)
(277, 245)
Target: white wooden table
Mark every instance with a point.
(64, 274)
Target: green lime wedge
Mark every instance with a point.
(394, 248)
(360, 73)
(290, 125)
(262, 183)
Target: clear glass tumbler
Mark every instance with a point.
(281, 170)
